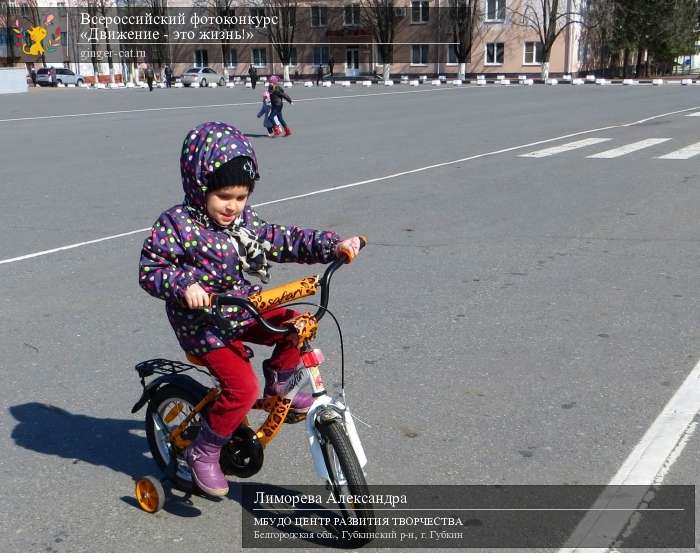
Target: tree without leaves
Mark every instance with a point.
(380, 18)
(281, 34)
(548, 18)
(463, 22)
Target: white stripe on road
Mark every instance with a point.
(684, 153)
(648, 460)
(566, 147)
(696, 114)
(368, 181)
(629, 148)
(255, 103)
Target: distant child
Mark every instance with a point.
(277, 95)
(266, 109)
(212, 243)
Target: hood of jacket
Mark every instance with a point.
(205, 149)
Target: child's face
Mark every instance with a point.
(227, 203)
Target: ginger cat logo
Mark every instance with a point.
(37, 36)
(31, 40)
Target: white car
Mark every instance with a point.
(203, 76)
(63, 75)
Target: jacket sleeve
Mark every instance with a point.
(289, 243)
(161, 271)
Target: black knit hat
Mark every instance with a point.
(239, 171)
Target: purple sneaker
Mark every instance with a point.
(276, 385)
(203, 459)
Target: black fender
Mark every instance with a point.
(185, 382)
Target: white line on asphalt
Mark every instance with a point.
(368, 181)
(629, 148)
(696, 114)
(255, 103)
(566, 147)
(684, 153)
(648, 460)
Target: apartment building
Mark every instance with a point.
(340, 31)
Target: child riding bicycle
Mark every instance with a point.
(207, 245)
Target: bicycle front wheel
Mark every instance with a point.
(346, 478)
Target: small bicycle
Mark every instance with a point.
(176, 403)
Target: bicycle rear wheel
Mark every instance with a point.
(346, 479)
(166, 410)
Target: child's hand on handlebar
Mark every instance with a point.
(196, 297)
(349, 248)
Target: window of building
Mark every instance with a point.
(419, 54)
(533, 53)
(352, 15)
(232, 60)
(201, 58)
(495, 53)
(495, 10)
(259, 57)
(420, 11)
(319, 16)
(321, 55)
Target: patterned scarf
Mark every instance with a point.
(252, 251)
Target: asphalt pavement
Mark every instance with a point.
(519, 317)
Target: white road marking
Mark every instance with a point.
(629, 148)
(684, 153)
(368, 181)
(255, 103)
(566, 147)
(696, 114)
(647, 464)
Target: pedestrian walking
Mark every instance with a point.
(319, 74)
(32, 75)
(52, 76)
(330, 66)
(149, 77)
(168, 76)
(253, 74)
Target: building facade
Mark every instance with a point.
(340, 32)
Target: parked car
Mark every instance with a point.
(63, 75)
(203, 76)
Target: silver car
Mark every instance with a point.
(203, 76)
(63, 75)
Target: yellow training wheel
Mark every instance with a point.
(150, 494)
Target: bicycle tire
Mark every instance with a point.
(160, 404)
(341, 463)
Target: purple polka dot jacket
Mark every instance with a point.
(186, 246)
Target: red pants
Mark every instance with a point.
(231, 367)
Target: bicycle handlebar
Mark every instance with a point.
(244, 303)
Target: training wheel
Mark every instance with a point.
(150, 494)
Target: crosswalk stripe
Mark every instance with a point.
(696, 114)
(566, 147)
(629, 148)
(684, 153)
